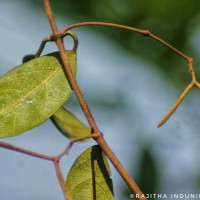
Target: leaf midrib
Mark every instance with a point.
(32, 91)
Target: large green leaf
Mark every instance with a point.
(69, 125)
(32, 92)
(89, 177)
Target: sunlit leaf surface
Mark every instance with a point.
(89, 177)
(69, 125)
(32, 92)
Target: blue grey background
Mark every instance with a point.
(108, 76)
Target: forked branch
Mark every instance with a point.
(72, 80)
(149, 34)
(96, 134)
(54, 159)
(100, 140)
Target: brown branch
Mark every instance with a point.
(57, 37)
(148, 33)
(177, 103)
(143, 32)
(54, 159)
(24, 151)
(65, 152)
(120, 168)
(169, 46)
(61, 179)
(59, 41)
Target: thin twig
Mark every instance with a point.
(24, 151)
(56, 34)
(143, 32)
(148, 33)
(54, 159)
(177, 103)
(67, 67)
(120, 168)
(61, 179)
(65, 152)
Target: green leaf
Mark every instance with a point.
(28, 58)
(89, 177)
(32, 92)
(69, 125)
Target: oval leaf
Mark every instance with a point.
(32, 92)
(89, 177)
(69, 125)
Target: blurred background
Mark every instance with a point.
(129, 81)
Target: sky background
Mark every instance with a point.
(129, 82)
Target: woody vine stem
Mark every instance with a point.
(100, 140)
(95, 131)
(57, 37)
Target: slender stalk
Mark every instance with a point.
(65, 152)
(65, 60)
(50, 16)
(24, 151)
(54, 159)
(83, 103)
(169, 46)
(143, 32)
(148, 33)
(61, 180)
(177, 103)
(120, 168)
(197, 85)
(57, 37)
(42, 45)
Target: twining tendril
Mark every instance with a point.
(148, 33)
(57, 37)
